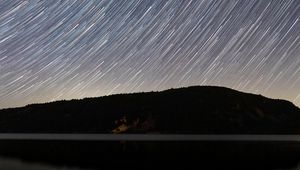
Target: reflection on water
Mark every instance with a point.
(15, 164)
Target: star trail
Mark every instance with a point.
(53, 50)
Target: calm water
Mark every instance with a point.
(15, 164)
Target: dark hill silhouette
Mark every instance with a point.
(198, 109)
(186, 110)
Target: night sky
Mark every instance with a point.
(53, 50)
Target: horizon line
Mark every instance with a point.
(157, 91)
(150, 137)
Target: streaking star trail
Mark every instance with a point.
(53, 50)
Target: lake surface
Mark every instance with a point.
(17, 164)
(134, 150)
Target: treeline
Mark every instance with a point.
(198, 109)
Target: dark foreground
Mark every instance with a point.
(156, 154)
